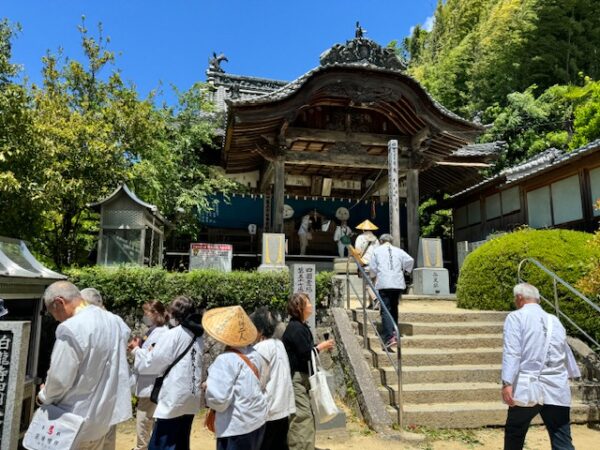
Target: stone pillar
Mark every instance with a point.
(14, 344)
(278, 195)
(304, 280)
(412, 211)
(394, 200)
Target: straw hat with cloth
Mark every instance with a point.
(230, 325)
(367, 225)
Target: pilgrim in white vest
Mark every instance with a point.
(88, 374)
(366, 242)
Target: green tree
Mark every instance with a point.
(85, 149)
(82, 132)
(586, 121)
(192, 140)
(563, 116)
(479, 51)
(435, 222)
(20, 191)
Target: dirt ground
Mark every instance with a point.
(361, 438)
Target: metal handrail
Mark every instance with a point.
(366, 281)
(555, 279)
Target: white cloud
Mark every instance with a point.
(428, 25)
(411, 31)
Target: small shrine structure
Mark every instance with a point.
(131, 230)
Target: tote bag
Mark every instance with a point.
(323, 406)
(52, 428)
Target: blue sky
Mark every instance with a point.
(169, 42)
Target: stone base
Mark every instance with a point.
(430, 281)
(271, 268)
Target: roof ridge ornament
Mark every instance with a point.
(360, 31)
(214, 63)
(362, 50)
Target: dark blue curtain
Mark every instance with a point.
(240, 211)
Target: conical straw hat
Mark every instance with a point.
(367, 225)
(230, 325)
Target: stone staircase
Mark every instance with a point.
(451, 364)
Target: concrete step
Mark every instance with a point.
(442, 341)
(419, 393)
(339, 266)
(440, 357)
(441, 328)
(437, 317)
(465, 373)
(444, 328)
(473, 414)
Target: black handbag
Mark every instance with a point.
(159, 380)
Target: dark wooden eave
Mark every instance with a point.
(266, 127)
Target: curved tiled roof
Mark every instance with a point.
(294, 86)
(486, 149)
(546, 160)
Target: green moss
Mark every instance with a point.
(490, 272)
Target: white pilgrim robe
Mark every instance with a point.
(279, 388)
(235, 393)
(88, 373)
(180, 392)
(145, 383)
(363, 247)
(524, 339)
(388, 264)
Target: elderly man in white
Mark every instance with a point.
(88, 374)
(93, 297)
(387, 266)
(536, 366)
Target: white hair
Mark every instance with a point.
(527, 290)
(65, 289)
(386, 237)
(91, 295)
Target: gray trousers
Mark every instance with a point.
(301, 435)
(144, 422)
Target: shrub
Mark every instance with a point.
(590, 284)
(490, 272)
(126, 288)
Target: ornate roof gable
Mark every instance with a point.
(362, 50)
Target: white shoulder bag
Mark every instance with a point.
(323, 405)
(52, 428)
(527, 390)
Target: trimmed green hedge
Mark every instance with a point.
(490, 272)
(126, 288)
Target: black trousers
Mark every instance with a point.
(390, 298)
(276, 432)
(556, 418)
(172, 434)
(248, 441)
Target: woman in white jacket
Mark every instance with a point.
(179, 397)
(279, 389)
(233, 387)
(155, 317)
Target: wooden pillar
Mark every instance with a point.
(394, 194)
(278, 194)
(412, 211)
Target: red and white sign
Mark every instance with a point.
(211, 256)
